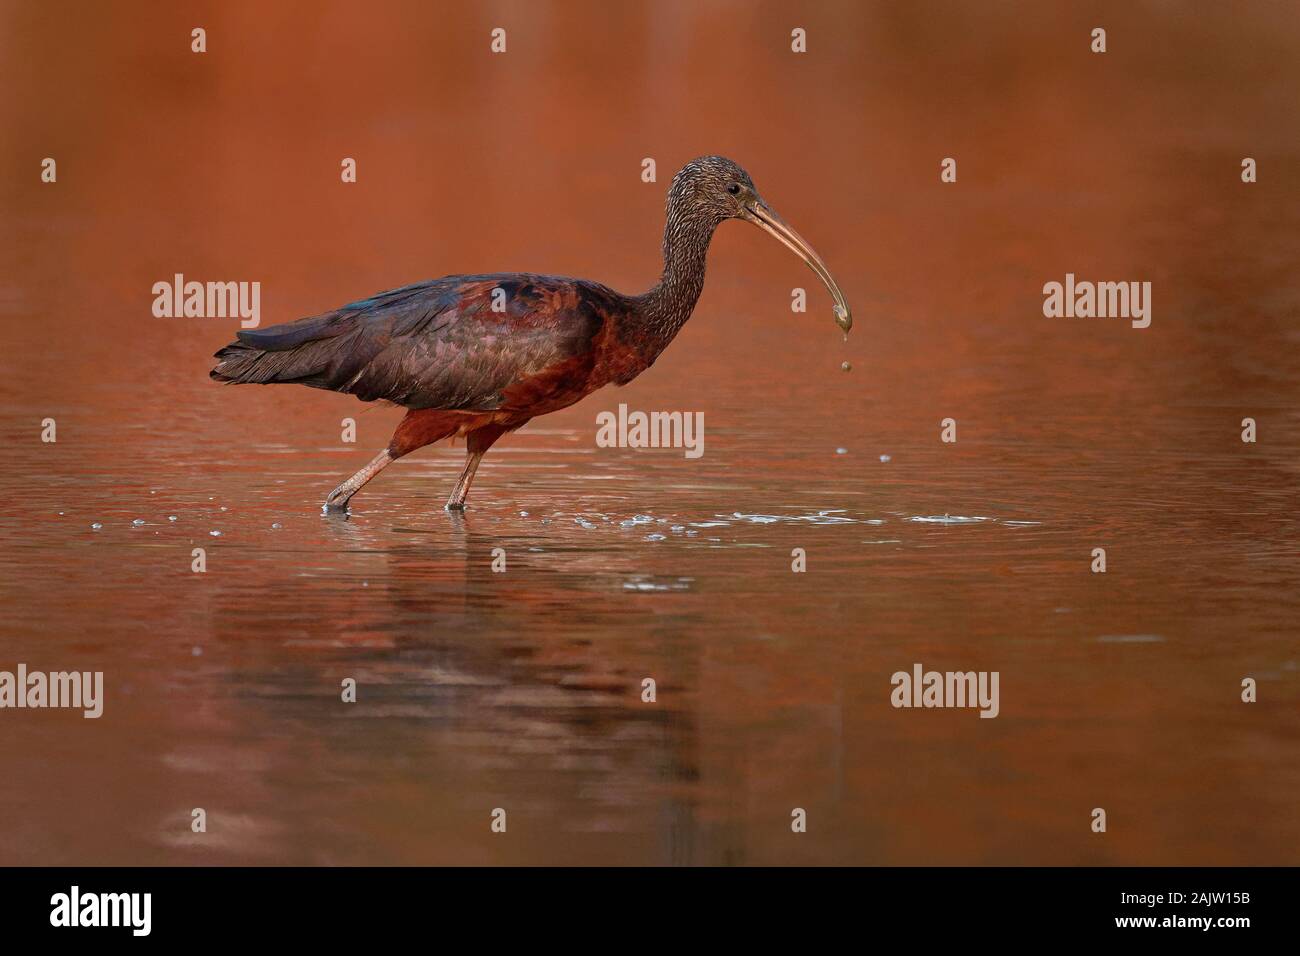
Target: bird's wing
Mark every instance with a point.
(455, 343)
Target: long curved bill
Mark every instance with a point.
(775, 226)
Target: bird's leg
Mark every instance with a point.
(458, 494)
(476, 446)
(339, 497)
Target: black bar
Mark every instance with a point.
(975, 905)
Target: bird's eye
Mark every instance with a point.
(734, 189)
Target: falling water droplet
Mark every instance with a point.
(215, 534)
(171, 517)
(277, 526)
(884, 458)
(841, 451)
(96, 526)
(137, 522)
(848, 367)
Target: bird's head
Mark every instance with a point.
(714, 188)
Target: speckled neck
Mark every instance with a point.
(667, 306)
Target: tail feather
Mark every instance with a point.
(308, 352)
(362, 349)
(238, 365)
(321, 363)
(290, 335)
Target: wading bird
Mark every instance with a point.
(478, 356)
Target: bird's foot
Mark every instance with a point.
(457, 506)
(334, 506)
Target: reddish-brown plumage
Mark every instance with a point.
(478, 356)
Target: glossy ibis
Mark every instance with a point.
(478, 356)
